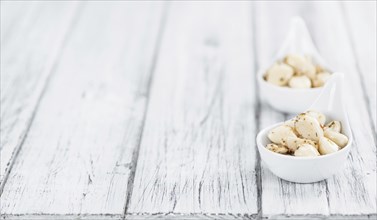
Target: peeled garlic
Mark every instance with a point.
(277, 148)
(292, 143)
(320, 79)
(340, 139)
(300, 82)
(308, 127)
(327, 146)
(279, 74)
(319, 69)
(290, 123)
(277, 134)
(334, 126)
(301, 65)
(306, 135)
(306, 150)
(321, 118)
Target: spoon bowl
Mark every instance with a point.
(285, 99)
(312, 169)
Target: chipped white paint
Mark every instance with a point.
(77, 155)
(196, 157)
(353, 191)
(198, 153)
(30, 46)
(362, 30)
(281, 198)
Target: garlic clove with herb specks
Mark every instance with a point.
(308, 127)
(334, 126)
(290, 123)
(277, 134)
(293, 143)
(327, 146)
(321, 118)
(277, 148)
(279, 74)
(306, 150)
(339, 139)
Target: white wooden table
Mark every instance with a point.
(113, 110)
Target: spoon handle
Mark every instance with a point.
(299, 41)
(331, 98)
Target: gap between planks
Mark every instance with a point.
(176, 181)
(283, 186)
(136, 152)
(80, 93)
(257, 109)
(51, 67)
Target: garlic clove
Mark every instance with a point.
(277, 134)
(327, 146)
(290, 123)
(301, 65)
(293, 143)
(311, 71)
(306, 150)
(279, 74)
(277, 148)
(300, 82)
(308, 127)
(334, 126)
(339, 139)
(321, 118)
(320, 79)
(319, 69)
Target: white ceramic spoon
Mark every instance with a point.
(312, 169)
(285, 99)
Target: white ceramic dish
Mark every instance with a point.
(312, 169)
(291, 100)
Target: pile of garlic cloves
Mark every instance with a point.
(307, 135)
(297, 71)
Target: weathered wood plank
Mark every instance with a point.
(188, 216)
(281, 198)
(37, 216)
(361, 24)
(227, 217)
(77, 156)
(285, 199)
(32, 35)
(197, 155)
(351, 192)
(172, 216)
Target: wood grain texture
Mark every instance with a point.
(39, 216)
(361, 23)
(77, 157)
(32, 35)
(96, 141)
(197, 154)
(280, 198)
(189, 216)
(351, 192)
